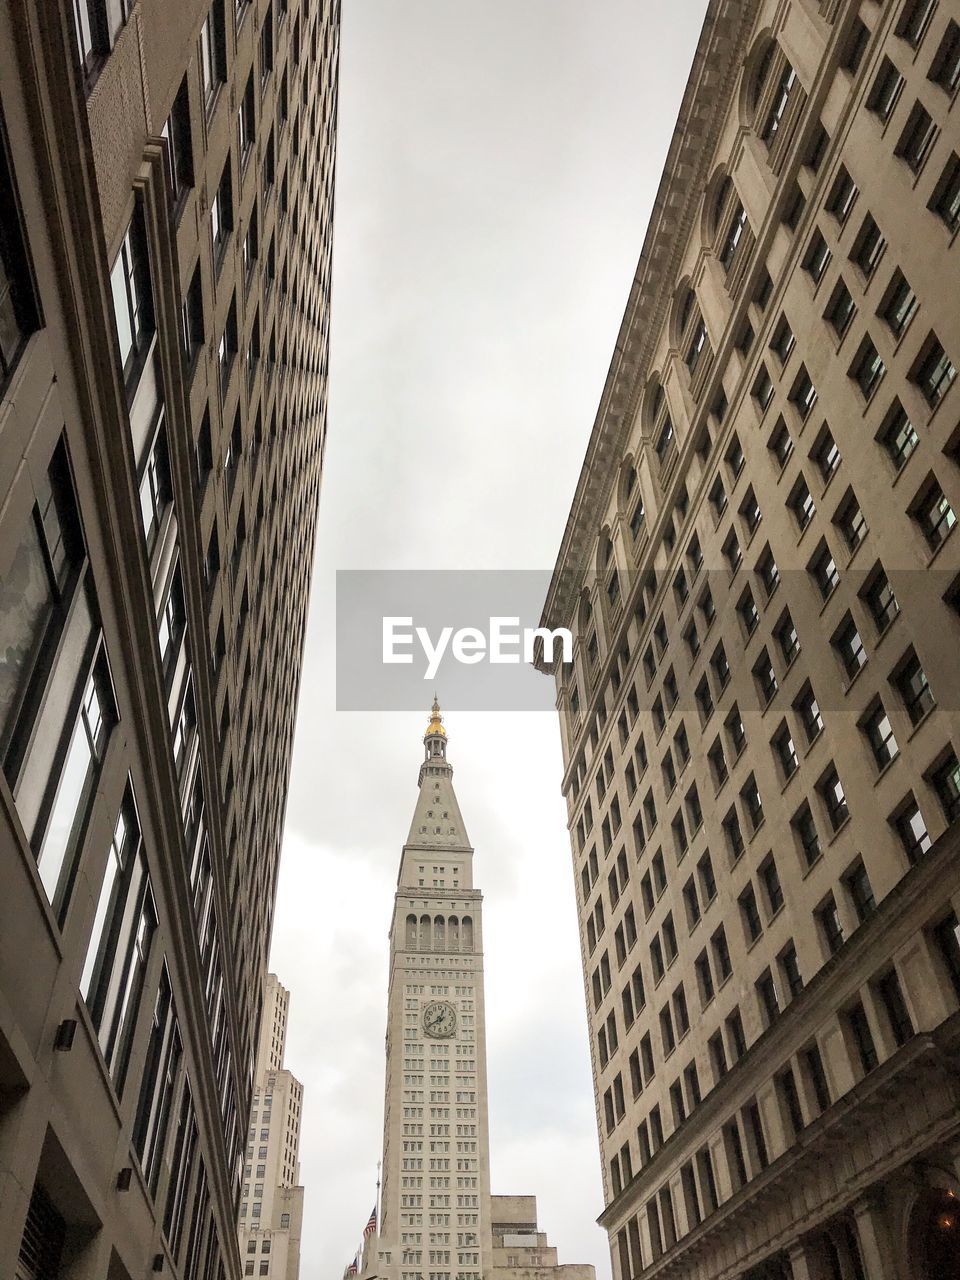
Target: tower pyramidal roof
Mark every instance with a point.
(437, 821)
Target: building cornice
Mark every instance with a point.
(710, 85)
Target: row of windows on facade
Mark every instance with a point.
(664, 946)
(929, 508)
(918, 701)
(933, 371)
(880, 1012)
(906, 679)
(726, 223)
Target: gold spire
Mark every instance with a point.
(436, 721)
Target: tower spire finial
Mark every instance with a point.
(436, 720)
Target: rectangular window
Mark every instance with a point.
(840, 309)
(158, 1084)
(945, 201)
(933, 372)
(213, 53)
(119, 945)
(897, 435)
(132, 302)
(179, 149)
(221, 214)
(862, 1037)
(246, 122)
(885, 91)
(19, 315)
(868, 246)
(918, 137)
(867, 370)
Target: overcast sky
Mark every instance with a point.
(497, 162)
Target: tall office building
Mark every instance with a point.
(166, 180)
(437, 1217)
(271, 1204)
(760, 725)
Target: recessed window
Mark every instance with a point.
(731, 551)
(854, 46)
(826, 454)
(765, 677)
(807, 835)
(851, 521)
(899, 304)
(897, 435)
(868, 369)
(840, 309)
(781, 444)
(800, 502)
(946, 783)
(736, 733)
(880, 734)
(221, 214)
(945, 201)
(849, 647)
(750, 914)
(783, 340)
(912, 830)
(834, 800)
(747, 610)
(914, 20)
(945, 68)
(817, 258)
(880, 600)
(750, 511)
(933, 372)
(213, 53)
(918, 137)
(803, 395)
(885, 91)
(842, 195)
(868, 246)
(763, 388)
(933, 514)
(785, 752)
(787, 639)
(828, 918)
(914, 689)
(823, 570)
(808, 710)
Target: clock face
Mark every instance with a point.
(439, 1019)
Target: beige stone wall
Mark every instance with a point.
(651, 703)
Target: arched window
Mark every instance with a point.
(454, 924)
(773, 96)
(934, 1237)
(467, 933)
(439, 933)
(631, 500)
(424, 940)
(411, 933)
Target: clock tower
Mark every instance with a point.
(434, 1220)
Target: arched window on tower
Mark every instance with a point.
(467, 933)
(454, 924)
(439, 934)
(411, 933)
(424, 940)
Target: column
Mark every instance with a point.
(875, 1244)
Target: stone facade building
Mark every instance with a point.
(760, 726)
(437, 1219)
(166, 186)
(271, 1199)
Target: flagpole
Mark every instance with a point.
(378, 1197)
